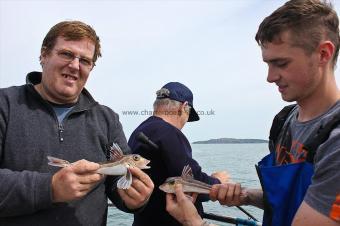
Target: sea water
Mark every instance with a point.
(237, 159)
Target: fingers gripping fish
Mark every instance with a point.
(117, 165)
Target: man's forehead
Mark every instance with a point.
(278, 49)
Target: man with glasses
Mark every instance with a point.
(54, 115)
(173, 108)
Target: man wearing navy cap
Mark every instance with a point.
(173, 107)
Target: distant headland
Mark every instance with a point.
(231, 141)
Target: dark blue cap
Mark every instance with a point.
(179, 92)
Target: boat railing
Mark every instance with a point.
(225, 219)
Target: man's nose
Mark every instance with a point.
(273, 74)
(75, 64)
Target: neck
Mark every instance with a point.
(53, 99)
(320, 101)
(171, 119)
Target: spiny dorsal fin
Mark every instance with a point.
(115, 152)
(187, 172)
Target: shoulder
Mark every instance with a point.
(11, 91)
(331, 147)
(162, 131)
(157, 124)
(11, 95)
(105, 113)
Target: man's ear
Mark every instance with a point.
(326, 52)
(43, 54)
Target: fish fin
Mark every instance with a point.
(125, 181)
(115, 152)
(187, 172)
(53, 161)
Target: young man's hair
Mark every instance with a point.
(308, 21)
(71, 31)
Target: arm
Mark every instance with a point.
(132, 199)
(24, 192)
(322, 199)
(177, 153)
(232, 194)
(21, 192)
(306, 215)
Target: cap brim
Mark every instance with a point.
(193, 116)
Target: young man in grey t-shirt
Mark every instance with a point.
(300, 44)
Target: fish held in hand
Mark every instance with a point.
(117, 165)
(188, 182)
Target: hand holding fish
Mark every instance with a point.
(230, 194)
(182, 208)
(140, 190)
(75, 181)
(220, 192)
(118, 165)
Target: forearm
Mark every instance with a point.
(254, 197)
(23, 192)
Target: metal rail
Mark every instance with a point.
(225, 219)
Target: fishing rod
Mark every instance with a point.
(246, 213)
(231, 220)
(145, 140)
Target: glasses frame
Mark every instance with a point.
(69, 56)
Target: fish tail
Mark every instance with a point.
(53, 161)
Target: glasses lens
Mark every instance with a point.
(69, 56)
(66, 55)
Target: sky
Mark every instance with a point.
(208, 45)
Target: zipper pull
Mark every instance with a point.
(61, 130)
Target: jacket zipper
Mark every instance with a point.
(61, 130)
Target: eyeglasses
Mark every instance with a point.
(68, 56)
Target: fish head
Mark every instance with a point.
(138, 161)
(169, 185)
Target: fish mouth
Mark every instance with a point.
(146, 164)
(162, 187)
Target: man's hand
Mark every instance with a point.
(229, 194)
(232, 194)
(222, 176)
(139, 192)
(181, 208)
(75, 181)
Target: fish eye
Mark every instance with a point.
(172, 182)
(136, 157)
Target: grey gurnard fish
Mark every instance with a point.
(190, 185)
(117, 165)
(188, 182)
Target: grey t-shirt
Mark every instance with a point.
(323, 194)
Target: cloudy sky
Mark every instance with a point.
(206, 44)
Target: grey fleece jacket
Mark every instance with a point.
(29, 131)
